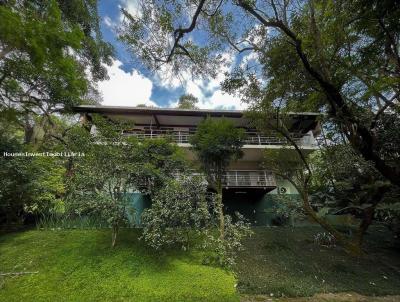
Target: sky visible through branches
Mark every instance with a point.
(131, 84)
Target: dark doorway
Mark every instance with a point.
(243, 201)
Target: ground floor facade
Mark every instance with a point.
(260, 206)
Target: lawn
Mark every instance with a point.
(80, 265)
(286, 261)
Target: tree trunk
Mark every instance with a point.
(361, 138)
(220, 210)
(368, 217)
(114, 236)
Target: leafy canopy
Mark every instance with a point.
(51, 54)
(337, 57)
(187, 101)
(217, 142)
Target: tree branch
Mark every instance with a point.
(5, 51)
(359, 135)
(17, 273)
(180, 32)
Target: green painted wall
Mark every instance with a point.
(259, 209)
(266, 208)
(256, 205)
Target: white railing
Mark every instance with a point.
(252, 138)
(249, 178)
(243, 178)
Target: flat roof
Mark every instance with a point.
(174, 117)
(169, 111)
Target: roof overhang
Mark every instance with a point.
(303, 121)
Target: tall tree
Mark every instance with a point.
(114, 165)
(187, 101)
(217, 143)
(51, 54)
(338, 57)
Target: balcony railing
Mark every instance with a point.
(252, 138)
(244, 178)
(250, 178)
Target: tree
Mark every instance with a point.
(187, 101)
(51, 54)
(179, 209)
(183, 212)
(159, 161)
(114, 165)
(30, 186)
(337, 57)
(102, 176)
(15, 182)
(217, 143)
(333, 181)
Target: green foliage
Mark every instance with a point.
(28, 185)
(287, 164)
(158, 161)
(216, 143)
(388, 137)
(322, 56)
(344, 181)
(389, 214)
(114, 165)
(15, 182)
(148, 33)
(287, 208)
(325, 239)
(58, 221)
(49, 187)
(102, 177)
(187, 101)
(184, 214)
(51, 53)
(179, 211)
(224, 251)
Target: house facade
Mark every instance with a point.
(248, 186)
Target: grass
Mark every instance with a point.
(80, 265)
(286, 262)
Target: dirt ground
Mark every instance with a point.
(337, 297)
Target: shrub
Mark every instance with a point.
(224, 251)
(179, 210)
(183, 213)
(325, 239)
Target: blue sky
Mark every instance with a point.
(130, 85)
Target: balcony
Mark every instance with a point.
(249, 178)
(252, 138)
(243, 178)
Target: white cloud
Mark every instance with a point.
(217, 100)
(221, 100)
(131, 6)
(249, 59)
(108, 22)
(208, 91)
(125, 88)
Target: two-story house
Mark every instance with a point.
(248, 187)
